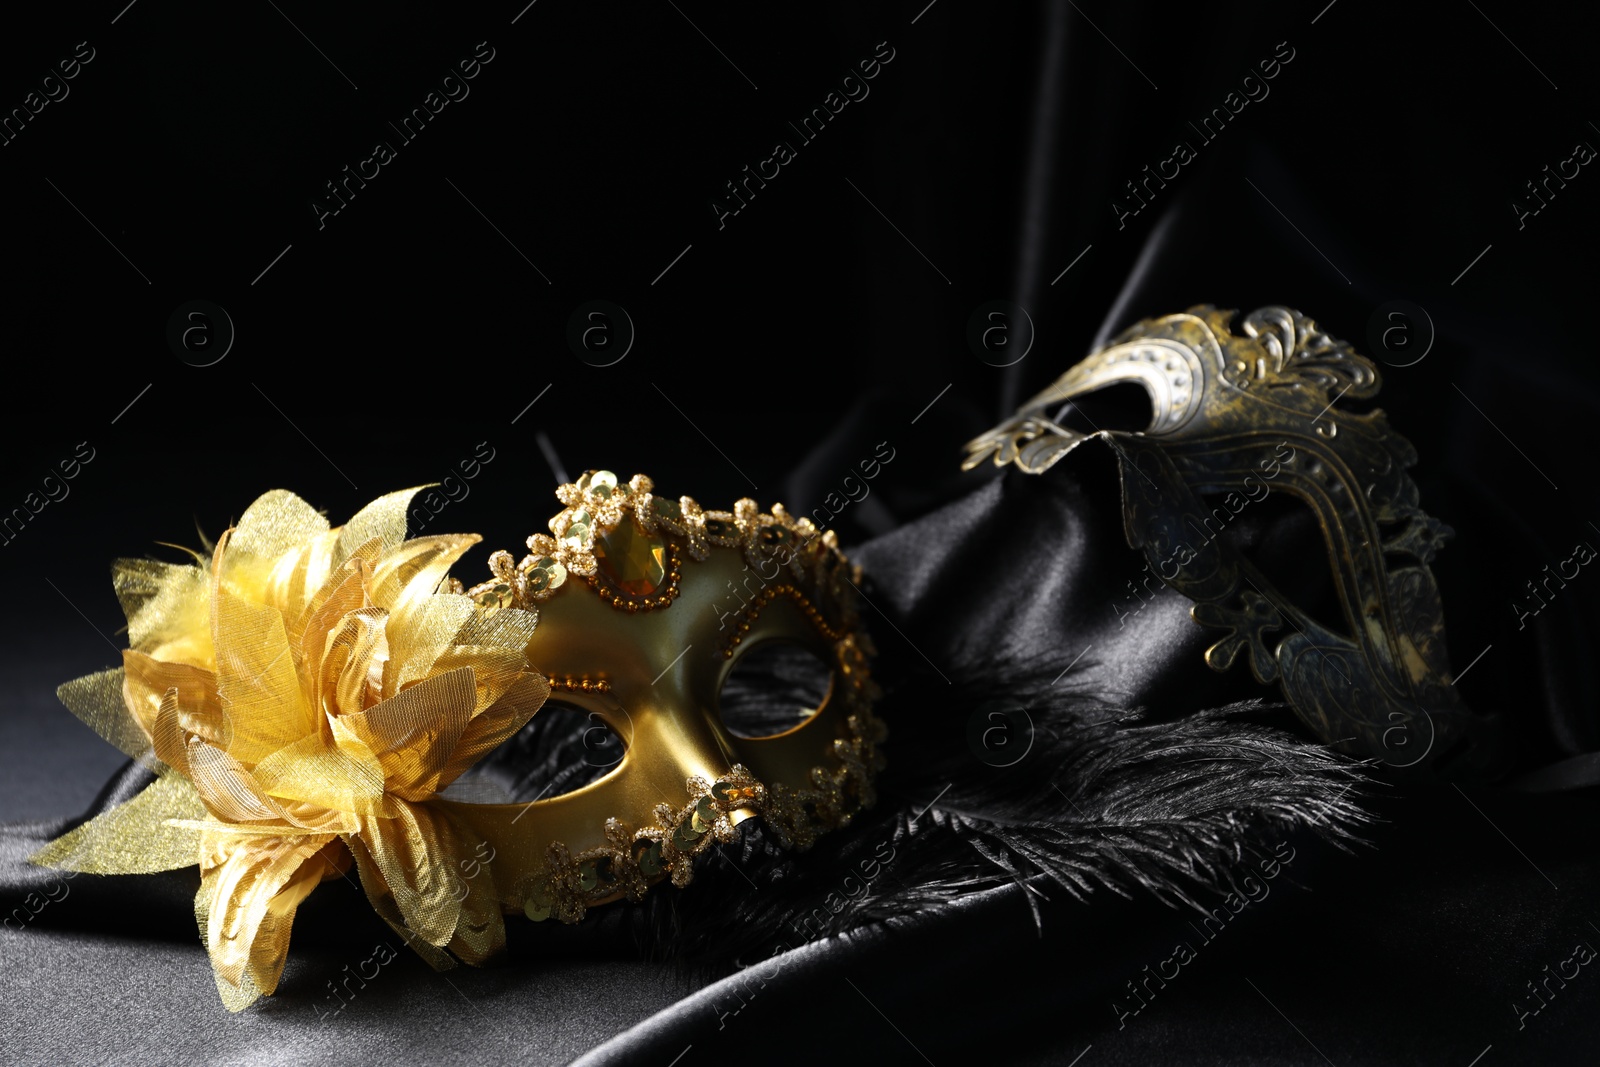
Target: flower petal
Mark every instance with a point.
(354, 650)
(415, 733)
(416, 641)
(339, 777)
(343, 593)
(98, 700)
(135, 837)
(414, 569)
(381, 898)
(256, 679)
(495, 645)
(480, 933)
(299, 574)
(417, 852)
(168, 607)
(147, 681)
(495, 724)
(383, 519)
(276, 523)
(228, 790)
(278, 554)
(495, 669)
(249, 890)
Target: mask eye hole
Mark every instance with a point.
(1118, 406)
(773, 688)
(563, 748)
(1280, 535)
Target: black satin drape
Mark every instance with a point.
(1385, 157)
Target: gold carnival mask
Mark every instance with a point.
(646, 604)
(307, 694)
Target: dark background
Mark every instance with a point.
(379, 350)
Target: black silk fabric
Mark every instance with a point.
(1428, 938)
(1457, 933)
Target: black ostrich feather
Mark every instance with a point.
(1170, 809)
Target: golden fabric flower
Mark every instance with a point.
(303, 701)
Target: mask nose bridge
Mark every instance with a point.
(663, 700)
(670, 733)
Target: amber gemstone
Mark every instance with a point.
(635, 561)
